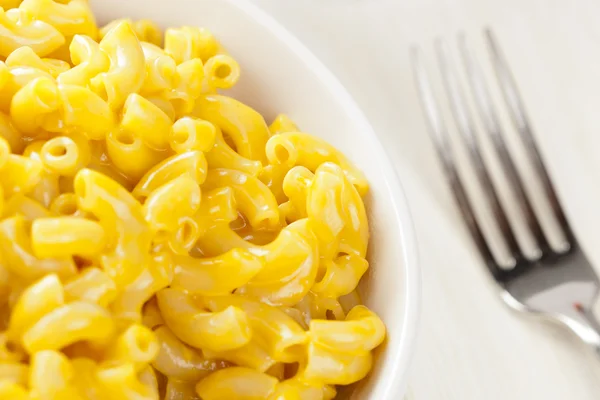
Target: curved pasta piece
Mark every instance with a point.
(179, 361)
(296, 389)
(296, 186)
(145, 30)
(73, 322)
(177, 389)
(85, 379)
(36, 106)
(45, 190)
(291, 265)
(221, 72)
(192, 134)
(297, 148)
(360, 332)
(271, 327)
(122, 382)
(273, 176)
(218, 206)
(245, 126)
(73, 17)
(342, 275)
(148, 378)
(36, 301)
(61, 156)
(17, 78)
(187, 43)
(161, 70)
(326, 366)
(15, 245)
(253, 198)
(145, 120)
(127, 66)
(337, 211)
(130, 155)
(63, 237)
(9, 133)
(236, 383)
(314, 306)
(224, 330)
(190, 163)
(168, 205)
(219, 239)
(223, 156)
(158, 274)
(254, 355)
(19, 204)
(89, 61)
(187, 86)
(92, 285)
(84, 112)
(52, 374)
(18, 28)
(215, 276)
(137, 345)
(282, 123)
(26, 57)
(116, 209)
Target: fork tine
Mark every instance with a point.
(467, 130)
(490, 119)
(518, 115)
(439, 135)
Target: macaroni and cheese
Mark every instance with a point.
(158, 239)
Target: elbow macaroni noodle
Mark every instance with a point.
(158, 239)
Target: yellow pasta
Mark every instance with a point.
(145, 30)
(190, 163)
(192, 134)
(67, 236)
(130, 155)
(145, 120)
(253, 198)
(68, 324)
(35, 106)
(15, 244)
(137, 345)
(247, 129)
(158, 239)
(187, 43)
(19, 28)
(26, 57)
(180, 361)
(295, 148)
(236, 383)
(73, 17)
(52, 376)
(13, 391)
(221, 71)
(89, 61)
(218, 275)
(92, 285)
(127, 67)
(116, 208)
(217, 331)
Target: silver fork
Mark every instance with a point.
(559, 285)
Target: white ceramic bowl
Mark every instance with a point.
(280, 75)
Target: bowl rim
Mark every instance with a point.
(412, 279)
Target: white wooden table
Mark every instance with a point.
(471, 346)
